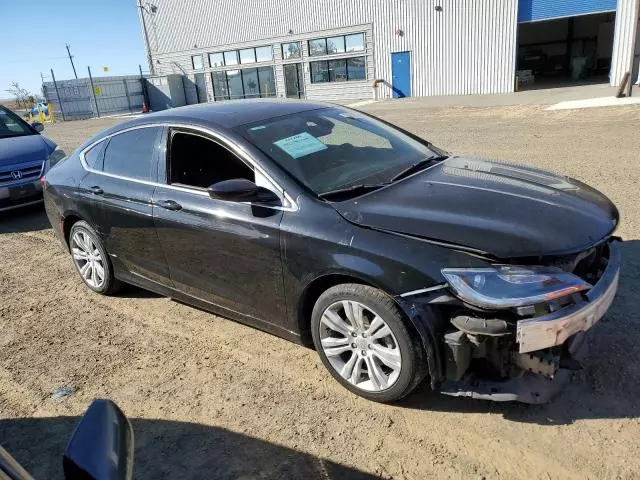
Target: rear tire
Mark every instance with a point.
(91, 259)
(363, 340)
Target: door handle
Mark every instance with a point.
(96, 190)
(169, 205)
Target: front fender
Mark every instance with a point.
(429, 324)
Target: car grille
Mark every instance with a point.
(588, 264)
(27, 172)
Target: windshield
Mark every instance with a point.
(332, 148)
(11, 125)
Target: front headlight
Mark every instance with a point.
(512, 286)
(57, 155)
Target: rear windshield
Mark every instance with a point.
(334, 148)
(13, 126)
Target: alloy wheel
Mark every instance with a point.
(88, 259)
(360, 346)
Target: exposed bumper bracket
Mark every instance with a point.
(529, 388)
(554, 329)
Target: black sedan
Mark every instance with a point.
(327, 226)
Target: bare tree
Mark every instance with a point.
(22, 94)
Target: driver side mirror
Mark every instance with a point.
(39, 127)
(101, 447)
(242, 190)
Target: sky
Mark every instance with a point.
(33, 34)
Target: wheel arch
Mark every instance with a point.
(317, 287)
(325, 281)
(424, 321)
(68, 220)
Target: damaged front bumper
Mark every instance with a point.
(535, 340)
(554, 329)
(529, 388)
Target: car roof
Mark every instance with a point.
(224, 115)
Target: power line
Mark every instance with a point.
(25, 60)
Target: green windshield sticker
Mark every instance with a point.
(300, 145)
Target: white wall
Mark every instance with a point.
(624, 41)
(467, 48)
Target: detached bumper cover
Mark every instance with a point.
(554, 329)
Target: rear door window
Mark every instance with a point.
(131, 154)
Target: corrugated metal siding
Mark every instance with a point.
(623, 42)
(467, 48)
(533, 10)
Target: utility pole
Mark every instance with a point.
(146, 35)
(71, 60)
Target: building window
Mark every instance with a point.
(264, 54)
(220, 89)
(216, 60)
(201, 87)
(319, 72)
(248, 55)
(244, 56)
(338, 44)
(337, 70)
(197, 62)
(342, 70)
(335, 45)
(317, 47)
(356, 68)
(354, 43)
(245, 83)
(234, 83)
(267, 82)
(290, 50)
(250, 83)
(231, 58)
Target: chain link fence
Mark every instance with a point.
(95, 97)
(90, 97)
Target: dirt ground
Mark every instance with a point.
(212, 398)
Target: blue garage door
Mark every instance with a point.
(533, 10)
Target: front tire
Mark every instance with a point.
(362, 339)
(91, 259)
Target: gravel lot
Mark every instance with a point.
(215, 398)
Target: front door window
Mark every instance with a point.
(196, 161)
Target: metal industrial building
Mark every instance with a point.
(340, 49)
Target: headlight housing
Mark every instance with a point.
(55, 156)
(506, 286)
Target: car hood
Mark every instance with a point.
(501, 209)
(27, 148)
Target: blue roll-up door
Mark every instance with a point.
(534, 10)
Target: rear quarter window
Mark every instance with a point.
(95, 155)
